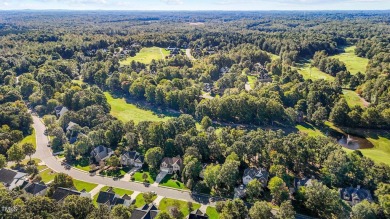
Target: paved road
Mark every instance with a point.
(45, 154)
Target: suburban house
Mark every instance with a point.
(111, 199)
(355, 195)
(146, 212)
(299, 182)
(72, 132)
(198, 214)
(240, 191)
(171, 165)
(132, 158)
(255, 173)
(61, 193)
(34, 189)
(60, 111)
(11, 179)
(101, 153)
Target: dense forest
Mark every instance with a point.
(74, 59)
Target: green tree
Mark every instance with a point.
(261, 210)
(163, 215)
(148, 197)
(79, 207)
(339, 113)
(113, 161)
(254, 190)
(101, 212)
(29, 149)
(3, 161)
(121, 212)
(233, 209)
(206, 122)
(153, 157)
(39, 205)
(363, 210)
(286, 211)
(16, 153)
(278, 189)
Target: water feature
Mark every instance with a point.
(349, 141)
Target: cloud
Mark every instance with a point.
(295, 2)
(173, 2)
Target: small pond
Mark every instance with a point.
(349, 141)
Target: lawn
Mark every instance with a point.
(309, 129)
(353, 63)
(314, 74)
(120, 172)
(352, 98)
(140, 201)
(212, 213)
(138, 177)
(126, 111)
(146, 55)
(118, 191)
(81, 163)
(80, 185)
(251, 80)
(41, 167)
(166, 203)
(30, 139)
(47, 175)
(168, 182)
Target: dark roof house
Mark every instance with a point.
(61, 193)
(101, 153)
(255, 173)
(146, 212)
(132, 158)
(11, 179)
(355, 195)
(35, 189)
(198, 214)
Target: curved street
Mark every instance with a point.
(45, 154)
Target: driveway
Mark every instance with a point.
(160, 177)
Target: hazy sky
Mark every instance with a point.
(197, 4)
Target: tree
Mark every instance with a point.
(16, 153)
(120, 212)
(145, 176)
(278, 189)
(61, 180)
(233, 209)
(363, 210)
(325, 202)
(114, 161)
(3, 161)
(79, 207)
(286, 211)
(175, 212)
(148, 197)
(319, 116)
(339, 113)
(211, 174)
(29, 149)
(191, 170)
(39, 205)
(254, 190)
(163, 215)
(228, 174)
(153, 157)
(101, 212)
(206, 122)
(261, 210)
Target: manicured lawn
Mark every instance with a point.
(126, 111)
(316, 74)
(352, 98)
(47, 175)
(120, 192)
(80, 185)
(81, 163)
(41, 167)
(140, 201)
(115, 173)
(212, 213)
(146, 55)
(353, 63)
(30, 139)
(138, 177)
(167, 181)
(166, 203)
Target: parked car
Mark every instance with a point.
(45, 132)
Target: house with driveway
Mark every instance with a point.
(171, 164)
(12, 179)
(101, 153)
(355, 195)
(252, 173)
(132, 158)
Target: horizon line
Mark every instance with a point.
(201, 10)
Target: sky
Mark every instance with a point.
(196, 4)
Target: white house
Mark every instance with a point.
(60, 111)
(255, 173)
(171, 165)
(132, 158)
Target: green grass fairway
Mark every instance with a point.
(166, 203)
(140, 201)
(146, 55)
(353, 63)
(352, 98)
(30, 139)
(168, 182)
(212, 213)
(80, 185)
(127, 111)
(47, 175)
(309, 129)
(316, 74)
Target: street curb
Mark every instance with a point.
(167, 187)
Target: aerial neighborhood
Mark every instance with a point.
(194, 114)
